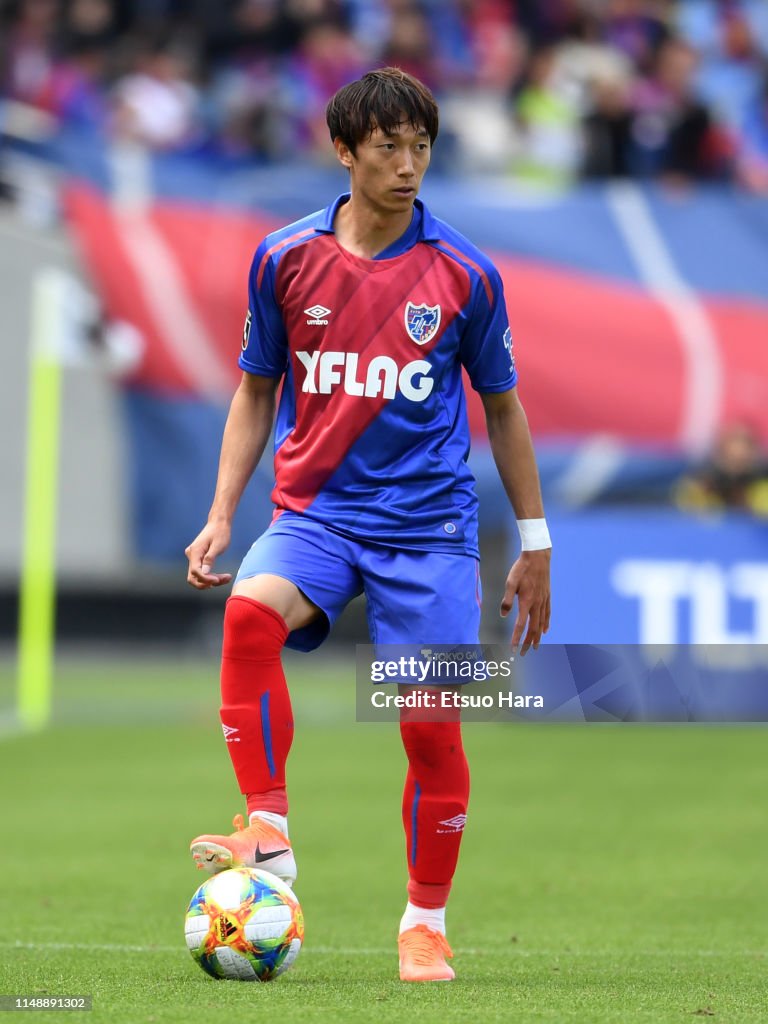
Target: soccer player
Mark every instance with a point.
(367, 311)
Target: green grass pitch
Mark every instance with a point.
(607, 874)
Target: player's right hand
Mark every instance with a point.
(212, 540)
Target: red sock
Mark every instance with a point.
(434, 807)
(255, 704)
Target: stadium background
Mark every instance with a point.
(612, 157)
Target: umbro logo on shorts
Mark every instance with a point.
(318, 315)
(229, 733)
(455, 824)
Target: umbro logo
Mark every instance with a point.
(229, 733)
(318, 315)
(455, 824)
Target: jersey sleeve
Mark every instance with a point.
(486, 345)
(265, 344)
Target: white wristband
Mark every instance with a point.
(534, 535)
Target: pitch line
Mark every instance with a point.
(391, 950)
(703, 392)
(109, 947)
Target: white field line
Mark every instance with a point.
(702, 397)
(391, 950)
(114, 948)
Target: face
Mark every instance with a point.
(737, 450)
(386, 169)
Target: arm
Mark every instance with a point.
(245, 436)
(513, 454)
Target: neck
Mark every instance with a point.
(365, 231)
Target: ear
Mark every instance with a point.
(344, 154)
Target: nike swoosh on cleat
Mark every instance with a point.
(260, 857)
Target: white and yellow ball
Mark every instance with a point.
(244, 924)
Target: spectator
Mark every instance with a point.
(157, 104)
(410, 45)
(476, 113)
(607, 131)
(550, 88)
(735, 476)
(548, 21)
(670, 126)
(256, 31)
(549, 124)
(248, 112)
(89, 22)
(752, 154)
(499, 50)
(27, 53)
(78, 84)
(326, 60)
(636, 28)
(732, 41)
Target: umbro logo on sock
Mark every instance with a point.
(454, 824)
(229, 733)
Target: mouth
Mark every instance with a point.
(406, 191)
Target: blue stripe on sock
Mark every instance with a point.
(414, 828)
(266, 733)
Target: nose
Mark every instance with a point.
(405, 170)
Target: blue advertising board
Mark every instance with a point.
(658, 577)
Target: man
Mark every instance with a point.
(368, 310)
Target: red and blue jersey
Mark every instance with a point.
(371, 436)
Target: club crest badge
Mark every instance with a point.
(421, 322)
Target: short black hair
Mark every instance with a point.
(382, 99)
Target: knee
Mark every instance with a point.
(252, 631)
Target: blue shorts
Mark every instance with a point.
(421, 597)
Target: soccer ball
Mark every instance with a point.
(244, 924)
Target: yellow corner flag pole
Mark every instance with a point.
(38, 571)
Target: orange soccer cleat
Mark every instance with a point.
(260, 845)
(422, 955)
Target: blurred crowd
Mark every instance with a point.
(546, 90)
(734, 476)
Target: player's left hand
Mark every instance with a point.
(528, 580)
